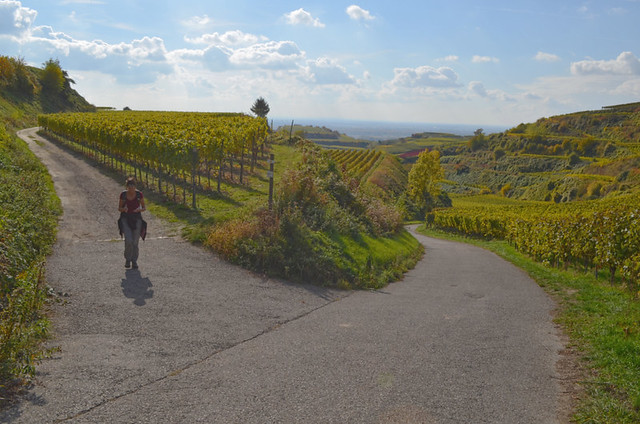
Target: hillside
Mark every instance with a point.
(322, 136)
(408, 148)
(29, 220)
(578, 156)
(26, 92)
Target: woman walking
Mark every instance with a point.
(130, 205)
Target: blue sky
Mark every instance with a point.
(488, 62)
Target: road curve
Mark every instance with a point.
(465, 337)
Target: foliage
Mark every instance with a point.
(316, 212)
(598, 234)
(424, 180)
(52, 78)
(260, 107)
(174, 145)
(16, 77)
(478, 141)
(28, 220)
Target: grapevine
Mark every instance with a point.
(172, 144)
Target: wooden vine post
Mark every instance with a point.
(270, 175)
(194, 169)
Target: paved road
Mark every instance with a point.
(464, 338)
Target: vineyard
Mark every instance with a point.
(356, 163)
(382, 173)
(595, 235)
(176, 146)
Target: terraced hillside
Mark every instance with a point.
(583, 155)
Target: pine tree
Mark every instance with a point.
(260, 107)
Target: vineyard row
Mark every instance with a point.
(592, 235)
(357, 163)
(176, 146)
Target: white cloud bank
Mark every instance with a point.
(229, 38)
(625, 64)
(16, 20)
(425, 76)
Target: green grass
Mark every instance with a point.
(603, 324)
(381, 260)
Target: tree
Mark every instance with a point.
(424, 179)
(52, 79)
(7, 71)
(260, 107)
(478, 141)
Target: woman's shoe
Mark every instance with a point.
(134, 265)
(127, 264)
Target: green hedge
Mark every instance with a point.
(28, 220)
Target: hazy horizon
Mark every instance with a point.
(386, 130)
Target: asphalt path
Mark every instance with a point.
(464, 337)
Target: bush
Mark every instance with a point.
(28, 220)
(299, 240)
(574, 159)
(384, 219)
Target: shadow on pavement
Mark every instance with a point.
(137, 288)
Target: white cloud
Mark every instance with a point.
(450, 58)
(484, 59)
(546, 57)
(629, 88)
(477, 88)
(302, 17)
(16, 20)
(145, 59)
(358, 14)
(425, 76)
(229, 38)
(272, 54)
(326, 71)
(625, 64)
(197, 21)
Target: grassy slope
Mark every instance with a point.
(29, 210)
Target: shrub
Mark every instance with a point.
(505, 190)
(314, 206)
(384, 219)
(28, 219)
(574, 159)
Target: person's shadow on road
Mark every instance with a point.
(137, 288)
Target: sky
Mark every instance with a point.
(484, 62)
